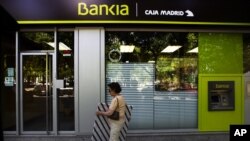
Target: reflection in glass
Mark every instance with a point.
(136, 81)
(36, 41)
(161, 84)
(65, 67)
(37, 94)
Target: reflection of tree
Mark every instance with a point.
(171, 69)
(40, 37)
(148, 45)
(131, 75)
(65, 63)
(151, 44)
(34, 67)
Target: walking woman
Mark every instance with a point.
(117, 104)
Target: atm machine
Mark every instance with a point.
(221, 95)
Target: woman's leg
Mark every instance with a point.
(115, 128)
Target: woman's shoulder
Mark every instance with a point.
(120, 96)
(121, 99)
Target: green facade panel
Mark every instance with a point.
(220, 53)
(220, 59)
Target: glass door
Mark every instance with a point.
(36, 92)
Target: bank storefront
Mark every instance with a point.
(184, 69)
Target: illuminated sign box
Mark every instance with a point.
(206, 12)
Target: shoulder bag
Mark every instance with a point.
(115, 115)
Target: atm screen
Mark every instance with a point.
(215, 99)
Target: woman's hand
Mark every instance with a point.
(98, 113)
(107, 113)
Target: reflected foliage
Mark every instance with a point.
(36, 40)
(66, 58)
(34, 69)
(39, 41)
(39, 37)
(174, 71)
(36, 92)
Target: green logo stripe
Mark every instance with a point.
(129, 22)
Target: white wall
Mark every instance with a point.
(89, 72)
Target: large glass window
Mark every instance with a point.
(158, 74)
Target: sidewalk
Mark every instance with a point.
(208, 136)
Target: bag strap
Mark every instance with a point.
(117, 102)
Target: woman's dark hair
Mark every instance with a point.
(115, 86)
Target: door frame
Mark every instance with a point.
(54, 100)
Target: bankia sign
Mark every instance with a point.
(207, 12)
